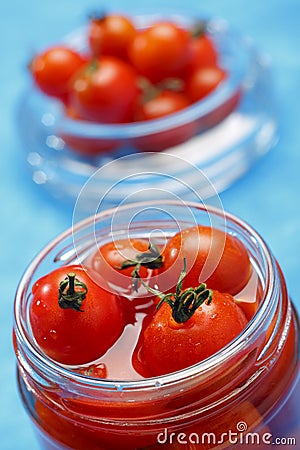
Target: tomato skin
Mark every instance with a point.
(69, 336)
(53, 69)
(221, 112)
(84, 145)
(88, 146)
(164, 103)
(160, 51)
(105, 90)
(202, 53)
(169, 346)
(64, 430)
(93, 370)
(218, 425)
(164, 140)
(111, 255)
(203, 81)
(212, 256)
(111, 35)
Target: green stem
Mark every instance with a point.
(148, 90)
(199, 28)
(185, 302)
(151, 259)
(71, 279)
(71, 292)
(97, 16)
(92, 66)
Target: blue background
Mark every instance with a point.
(267, 197)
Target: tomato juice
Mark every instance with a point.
(247, 394)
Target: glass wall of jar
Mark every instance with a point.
(247, 394)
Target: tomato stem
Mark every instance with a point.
(97, 16)
(71, 292)
(183, 302)
(199, 28)
(148, 90)
(92, 66)
(71, 277)
(171, 84)
(151, 259)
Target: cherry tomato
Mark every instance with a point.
(164, 103)
(215, 429)
(89, 146)
(221, 112)
(203, 81)
(84, 145)
(160, 51)
(53, 69)
(111, 35)
(189, 326)
(212, 256)
(105, 90)
(202, 53)
(164, 140)
(249, 308)
(93, 370)
(65, 430)
(74, 319)
(121, 261)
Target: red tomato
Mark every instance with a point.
(212, 256)
(221, 112)
(117, 260)
(164, 140)
(160, 51)
(85, 145)
(94, 370)
(249, 308)
(105, 90)
(74, 321)
(176, 338)
(89, 146)
(65, 430)
(202, 53)
(111, 35)
(53, 69)
(202, 81)
(216, 429)
(164, 103)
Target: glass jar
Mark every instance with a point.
(245, 394)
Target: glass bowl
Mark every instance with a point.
(235, 125)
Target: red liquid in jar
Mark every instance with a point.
(266, 410)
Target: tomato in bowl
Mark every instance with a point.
(221, 113)
(126, 73)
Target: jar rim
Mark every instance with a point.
(202, 367)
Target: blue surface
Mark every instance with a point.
(267, 197)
